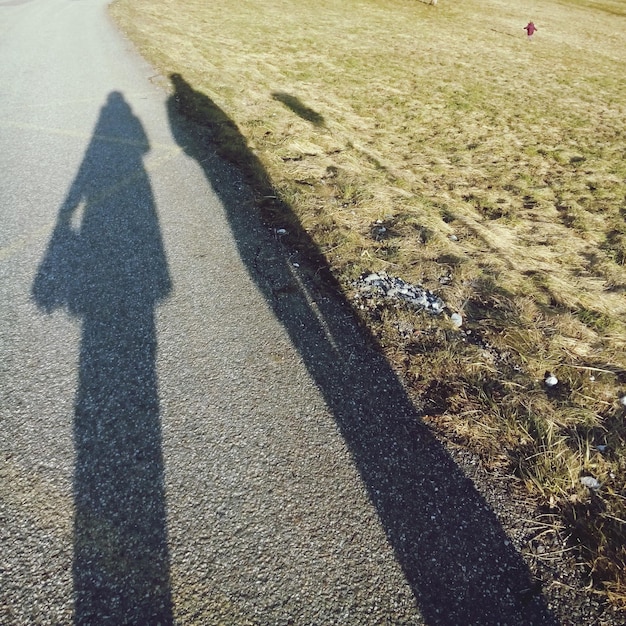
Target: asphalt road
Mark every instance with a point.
(192, 429)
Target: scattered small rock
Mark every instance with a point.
(393, 288)
(405, 329)
(456, 319)
(379, 231)
(590, 482)
(551, 380)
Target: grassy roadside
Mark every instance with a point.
(438, 145)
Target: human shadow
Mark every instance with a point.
(453, 552)
(105, 264)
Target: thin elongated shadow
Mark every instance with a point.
(299, 108)
(105, 264)
(450, 545)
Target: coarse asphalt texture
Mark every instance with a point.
(193, 430)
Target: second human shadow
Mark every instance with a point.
(454, 553)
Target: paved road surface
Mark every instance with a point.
(192, 431)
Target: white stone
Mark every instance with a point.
(590, 481)
(551, 380)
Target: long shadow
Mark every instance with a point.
(105, 264)
(454, 553)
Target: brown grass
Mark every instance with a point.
(498, 168)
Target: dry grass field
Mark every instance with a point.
(438, 144)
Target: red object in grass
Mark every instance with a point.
(530, 28)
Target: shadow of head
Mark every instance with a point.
(300, 109)
(119, 128)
